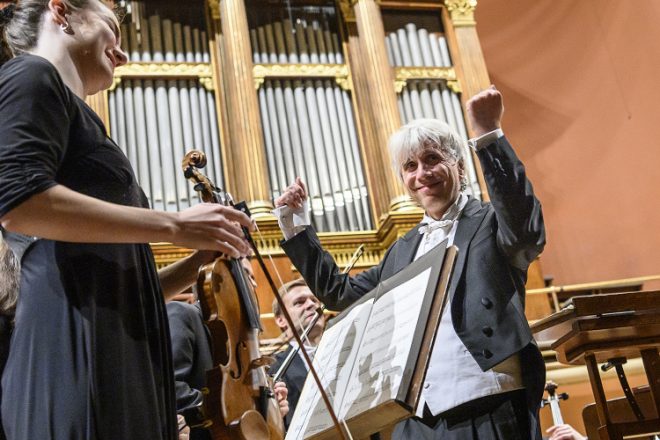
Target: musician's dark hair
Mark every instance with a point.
(284, 290)
(10, 272)
(20, 24)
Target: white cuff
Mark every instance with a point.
(291, 220)
(485, 139)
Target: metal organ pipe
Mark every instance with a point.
(309, 126)
(154, 121)
(410, 46)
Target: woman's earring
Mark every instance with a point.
(66, 27)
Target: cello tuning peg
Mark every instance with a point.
(563, 396)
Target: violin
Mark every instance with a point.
(239, 400)
(553, 400)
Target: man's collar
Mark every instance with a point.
(452, 213)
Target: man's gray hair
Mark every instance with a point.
(421, 134)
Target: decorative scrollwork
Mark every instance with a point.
(200, 71)
(165, 70)
(347, 11)
(461, 12)
(207, 83)
(403, 74)
(406, 73)
(339, 72)
(455, 87)
(214, 7)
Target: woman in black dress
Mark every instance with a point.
(89, 355)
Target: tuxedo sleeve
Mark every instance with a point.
(183, 337)
(321, 273)
(520, 228)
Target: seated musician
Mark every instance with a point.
(303, 307)
(191, 354)
(486, 376)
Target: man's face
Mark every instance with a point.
(433, 178)
(301, 305)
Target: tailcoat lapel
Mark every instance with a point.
(472, 216)
(406, 249)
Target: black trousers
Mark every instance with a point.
(499, 417)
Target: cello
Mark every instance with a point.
(239, 401)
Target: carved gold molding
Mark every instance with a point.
(339, 72)
(200, 71)
(214, 7)
(347, 11)
(403, 74)
(461, 12)
(455, 86)
(341, 245)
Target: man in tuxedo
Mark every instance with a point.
(485, 378)
(303, 307)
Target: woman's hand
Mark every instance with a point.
(211, 226)
(281, 393)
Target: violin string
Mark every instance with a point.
(279, 278)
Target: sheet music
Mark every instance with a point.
(385, 346)
(333, 361)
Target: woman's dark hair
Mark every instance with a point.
(10, 272)
(6, 15)
(20, 24)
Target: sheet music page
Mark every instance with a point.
(385, 347)
(333, 361)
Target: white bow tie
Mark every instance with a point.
(432, 226)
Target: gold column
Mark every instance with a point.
(467, 57)
(374, 80)
(463, 41)
(245, 157)
(99, 103)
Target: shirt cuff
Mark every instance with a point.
(485, 139)
(291, 220)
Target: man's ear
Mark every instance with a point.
(58, 10)
(281, 322)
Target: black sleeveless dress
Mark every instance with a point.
(89, 356)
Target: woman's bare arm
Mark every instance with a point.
(65, 215)
(179, 276)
